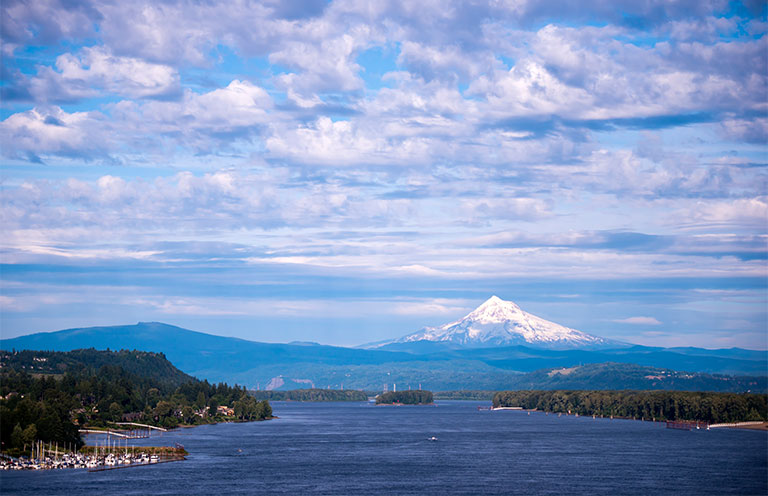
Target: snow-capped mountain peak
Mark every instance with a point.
(500, 323)
(495, 310)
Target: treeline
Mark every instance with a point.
(52, 407)
(479, 395)
(659, 405)
(88, 361)
(313, 394)
(417, 397)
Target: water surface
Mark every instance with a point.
(358, 448)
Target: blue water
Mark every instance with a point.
(357, 448)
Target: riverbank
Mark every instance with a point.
(698, 424)
(752, 426)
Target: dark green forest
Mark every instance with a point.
(468, 394)
(417, 397)
(314, 394)
(48, 396)
(658, 405)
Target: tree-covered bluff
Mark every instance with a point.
(48, 396)
(417, 397)
(314, 394)
(659, 405)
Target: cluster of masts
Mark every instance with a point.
(47, 456)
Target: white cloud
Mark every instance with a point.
(345, 143)
(446, 63)
(751, 131)
(327, 65)
(95, 69)
(485, 209)
(445, 307)
(726, 213)
(530, 89)
(51, 130)
(638, 321)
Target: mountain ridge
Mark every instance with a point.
(442, 367)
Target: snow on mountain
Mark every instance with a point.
(501, 323)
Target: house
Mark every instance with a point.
(225, 410)
(132, 416)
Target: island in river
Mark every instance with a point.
(417, 397)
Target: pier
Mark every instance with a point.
(133, 434)
(686, 425)
(143, 431)
(146, 426)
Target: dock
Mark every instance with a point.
(687, 425)
(169, 459)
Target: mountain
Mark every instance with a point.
(216, 358)
(436, 365)
(502, 323)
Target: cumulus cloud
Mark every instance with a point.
(52, 131)
(47, 21)
(343, 143)
(94, 70)
(326, 66)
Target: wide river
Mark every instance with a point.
(358, 448)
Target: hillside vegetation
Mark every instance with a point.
(48, 395)
(658, 405)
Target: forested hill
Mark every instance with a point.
(144, 364)
(311, 395)
(48, 396)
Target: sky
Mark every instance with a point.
(350, 171)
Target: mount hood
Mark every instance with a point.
(502, 323)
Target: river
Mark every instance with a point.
(358, 448)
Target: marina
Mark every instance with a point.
(113, 452)
(94, 462)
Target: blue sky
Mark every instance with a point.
(351, 171)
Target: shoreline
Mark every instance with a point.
(168, 453)
(756, 425)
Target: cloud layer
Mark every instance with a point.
(396, 156)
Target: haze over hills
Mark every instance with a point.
(438, 367)
(502, 323)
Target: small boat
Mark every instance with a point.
(433, 438)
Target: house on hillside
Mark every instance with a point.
(225, 410)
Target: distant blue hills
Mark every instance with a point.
(435, 365)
